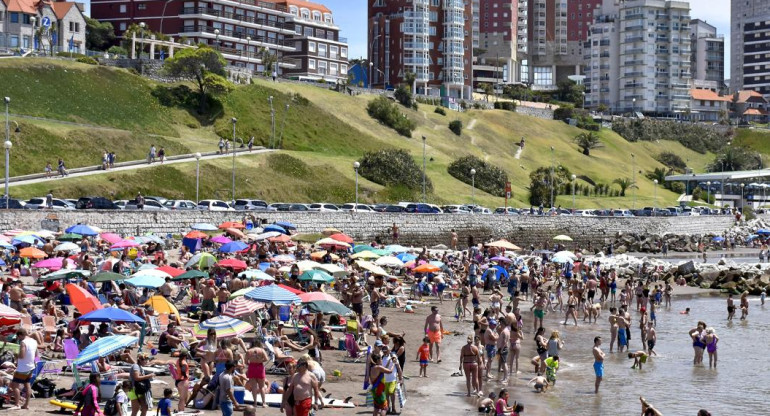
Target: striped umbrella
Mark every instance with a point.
(241, 306)
(272, 294)
(104, 346)
(225, 326)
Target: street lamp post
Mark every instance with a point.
(32, 21)
(197, 176)
(371, 64)
(742, 186)
(473, 189)
(573, 193)
(708, 192)
(216, 33)
(633, 108)
(283, 123)
(423, 169)
(248, 48)
(551, 180)
(633, 179)
(141, 51)
(655, 197)
(356, 165)
(7, 146)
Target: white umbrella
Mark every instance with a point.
(152, 272)
(389, 261)
(307, 265)
(265, 236)
(332, 269)
(66, 247)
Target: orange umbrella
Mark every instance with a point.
(235, 232)
(82, 299)
(196, 234)
(342, 237)
(318, 255)
(426, 268)
(32, 252)
(173, 271)
(231, 224)
(283, 238)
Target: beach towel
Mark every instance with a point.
(366, 372)
(401, 394)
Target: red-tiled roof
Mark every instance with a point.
(755, 112)
(303, 3)
(746, 95)
(23, 6)
(707, 95)
(61, 8)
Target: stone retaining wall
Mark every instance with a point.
(415, 229)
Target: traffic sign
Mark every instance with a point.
(46, 22)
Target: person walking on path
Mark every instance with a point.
(151, 156)
(62, 169)
(48, 170)
(221, 146)
(251, 143)
(598, 363)
(162, 155)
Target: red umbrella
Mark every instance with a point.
(283, 238)
(9, 318)
(234, 264)
(173, 271)
(196, 234)
(291, 289)
(317, 296)
(82, 299)
(231, 224)
(342, 237)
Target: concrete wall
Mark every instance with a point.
(415, 229)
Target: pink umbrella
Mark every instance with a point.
(124, 244)
(220, 239)
(53, 264)
(111, 238)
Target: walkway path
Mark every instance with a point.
(518, 153)
(472, 124)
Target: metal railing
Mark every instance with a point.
(239, 17)
(239, 35)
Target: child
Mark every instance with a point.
(652, 338)
(551, 367)
(423, 355)
(541, 384)
(122, 398)
(640, 357)
(164, 405)
(487, 405)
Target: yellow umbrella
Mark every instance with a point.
(366, 254)
(160, 305)
(503, 244)
(330, 231)
(371, 267)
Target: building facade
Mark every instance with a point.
(750, 46)
(495, 54)
(638, 57)
(708, 56)
(709, 106)
(431, 39)
(63, 26)
(300, 36)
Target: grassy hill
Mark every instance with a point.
(324, 133)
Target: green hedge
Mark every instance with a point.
(489, 178)
(505, 105)
(393, 167)
(456, 127)
(387, 113)
(692, 136)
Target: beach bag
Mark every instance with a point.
(44, 388)
(111, 407)
(369, 399)
(400, 394)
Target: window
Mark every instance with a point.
(123, 26)
(308, 31)
(322, 67)
(25, 19)
(26, 42)
(14, 40)
(343, 53)
(311, 46)
(15, 19)
(317, 15)
(333, 52)
(322, 49)
(320, 33)
(305, 14)
(333, 69)
(298, 29)
(343, 69)
(311, 64)
(298, 46)
(122, 8)
(141, 6)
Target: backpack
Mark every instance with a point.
(111, 407)
(116, 267)
(44, 388)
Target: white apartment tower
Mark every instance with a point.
(750, 46)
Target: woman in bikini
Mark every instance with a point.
(469, 362)
(182, 379)
(209, 349)
(571, 308)
(542, 351)
(697, 342)
(515, 348)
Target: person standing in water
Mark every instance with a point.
(598, 363)
(744, 305)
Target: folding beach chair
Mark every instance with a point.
(71, 353)
(354, 353)
(49, 325)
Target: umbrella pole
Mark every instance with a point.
(141, 336)
(75, 374)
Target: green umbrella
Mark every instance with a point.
(327, 307)
(191, 274)
(239, 293)
(70, 237)
(106, 277)
(64, 274)
(318, 276)
(360, 248)
(307, 238)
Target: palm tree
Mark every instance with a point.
(587, 141)
(659, 174)
(624, 183)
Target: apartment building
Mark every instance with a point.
(432, 39)
(301, 35)
(638, 57)
(750, 46)
(495, 54)
(708, 56)
(63, 23)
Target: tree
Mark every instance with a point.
(403, 95)
(99, 35)
(202, 65)
(736, 158)
(624, 184)
(268, 60)
(659, 174)
(487, 88)
(602, 108)
(571, 92)
(540, 186)
(409, 79)
(456, 126)
(587, 141)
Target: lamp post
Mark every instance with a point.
(633, 179)
(633, 108)
(234, 121)
(7, 146)
(197, 175)
(573, 194)
(423, 169)
(283, 123)
(356, 165)
(551, 180)
(248, 48)
(141, 51)
(163, 14)
(708, 192)
(371, 64)
(473, 189)
(742, 186)
(655, 197)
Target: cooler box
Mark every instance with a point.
(107, 389)
(239, 393)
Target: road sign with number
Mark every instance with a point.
(46, 22)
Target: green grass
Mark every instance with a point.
(758, 140)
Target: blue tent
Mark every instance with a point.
(496, 272)
(193, 244)
(763, 231)
(718, 239)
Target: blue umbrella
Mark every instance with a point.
(276, 228)
(81, 229)
(718, 239)
(7, 246)
(273, 294)
(763, 231)
(264, 266)
(233, 247)
(149, 281)
(287, 225)
(395, 248)
(104, 346)
(111, 315)
(2, 263)
(26, 239)
(406, 257)
(204, 226)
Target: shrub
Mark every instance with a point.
(456, 126)
(440, 110)
(393, 167)
(564, 112)
(489, 178)
(428, 101)
(70, 55)
(87, 60)
(387, 113)
(540, 188)
(692, 136)
(288, 165)
(117, 50)
(505, 105)
(403, 96)
(672, 160)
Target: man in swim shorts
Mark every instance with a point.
(598, 363)
(490, 343)
(640, 357)
(435, 329)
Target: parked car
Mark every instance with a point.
(214, 205)
(11, 203)
(95, 202)
(419, 209)
(359, 208)
(120, 203)
(160, 199)
(394, 209)
(298, 207)
(179, 204)
(323, 207)
(149, 205)
(456, 209)
(279, 206)
(482, 210)
(506, 211)
(39, 203)
(251, 205)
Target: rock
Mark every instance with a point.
(621, 249)
(686, 268)
(705, 285)
(721, 262)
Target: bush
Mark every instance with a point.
(540, 188)
(505, 105)
(68, 55)
(117, 50)
(393, 167)
(428, 101)
(456, 127)
(676, 187)
(87, 60)
(403, 96)
(387, 113)
(672, 160)
(489, 178)
(440, 110)
(692, 136)
(564, 112)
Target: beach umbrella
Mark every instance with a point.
(171, 271)
(156, 272)
(290, 289)
(32, 253)
(438, 264)
(332, 269)
(763, 231)
(371, 267)
(563, 257)
(111, 238)
(147, 266)
(82, 299)
(234, 264)
(307, 238)
(148, 238)
(9, 316)
(304, 265)
(241, 306)
(7, 245)
(562, 237)
(26, 239)
(367, 254)
(396, 248)
(225, 327)
(283, 238)
(122, 244)
(319, 302)
(240, 292)
(406, 257)
(426, 268)
(106, 277)
(501, 259)
(389, 261)
(235, 233)
(266, 235)
(255, 274)
(191, 274)
(220, 239)
(202, 260)
(204, 226)
(284, 258)
(319, 255)
(69, 237)
(64, 274)
(718, 239)
(103, 347)
(231, 224)
(161, 305)
(276, 228)
(330, 242)
(111, 315)
(362, 247)
(82, 229)
(316, 276)
(342, 237)
(287, 225)
(67, 247)
(48, 235)
(330, 231)
(195, 234)
(233, 247)
(53, 264)
(505, 244)
(272, 294)
(152, 282)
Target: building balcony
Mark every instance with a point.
(633, 51)
(633, 74)
(416, 61)
(208, 31)
(202, 12)
(423, 46)
(416, 29)
(419, 15)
